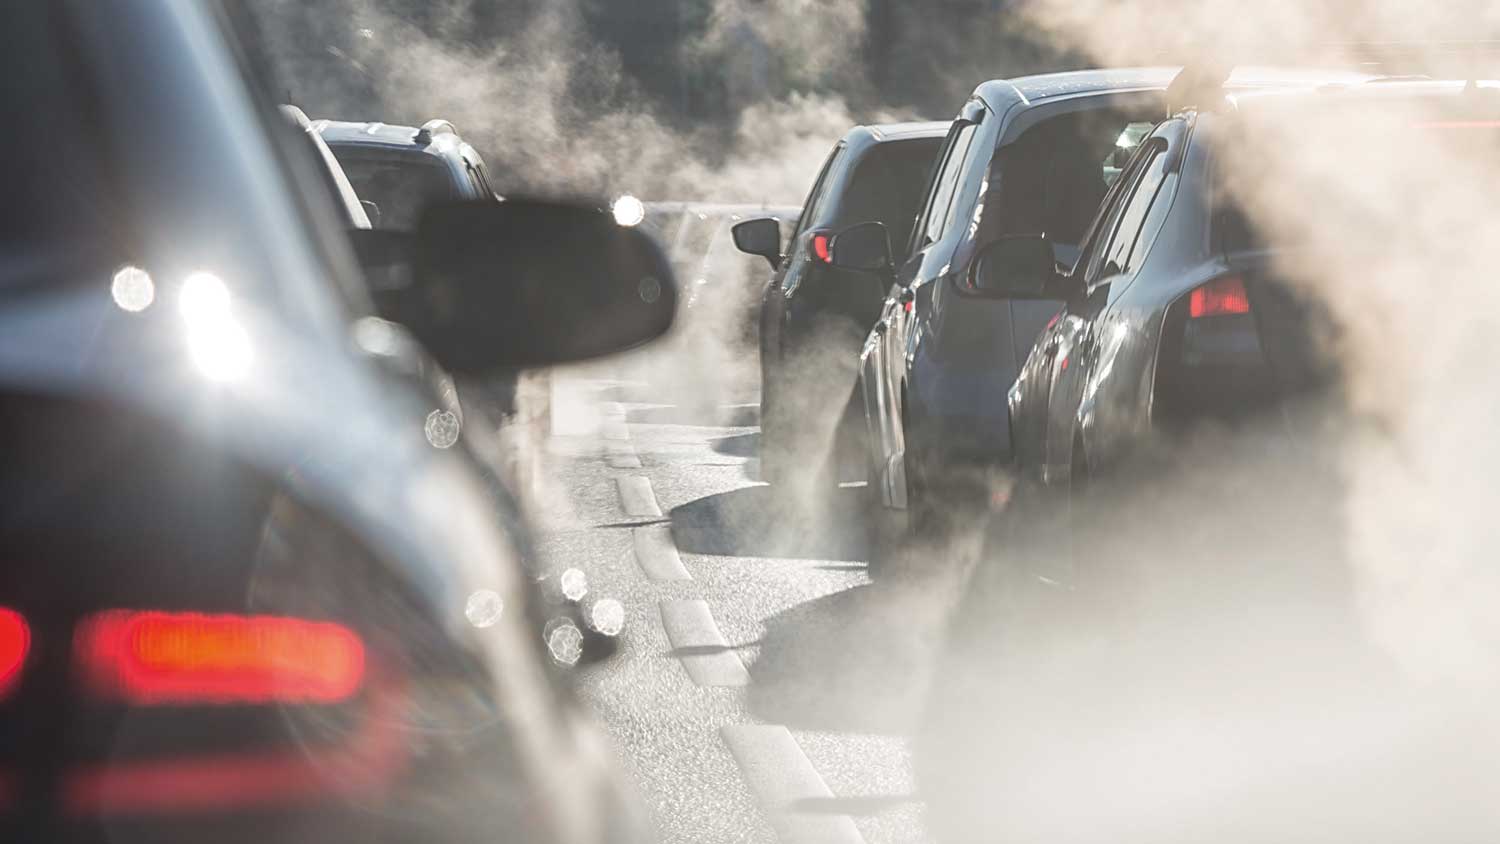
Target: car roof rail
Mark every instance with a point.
(436, 126)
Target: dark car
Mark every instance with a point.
(402, 168)
(1176, 313)
(814, 315)
(248, 598)
(1025, 156)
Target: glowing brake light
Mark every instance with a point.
(1220, 297)
(820, 247)
(173, 658)
(15, 643)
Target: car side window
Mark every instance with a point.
(1135, 209)
(1096, 239)
(936, 218)
(817, 194)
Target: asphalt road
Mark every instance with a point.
(766, 689)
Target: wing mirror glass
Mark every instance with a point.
(863, 247)
(520, 283)
(1016, 267)
(760, 236)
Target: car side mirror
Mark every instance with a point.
(522, 283)
(760, 236)
(1015, 267)
(863, 247)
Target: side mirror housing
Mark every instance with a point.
(760, 236)
(523, 283)
(863, 247)
(1016, 267)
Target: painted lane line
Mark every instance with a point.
(620, 455)
(636, 496)
(656, 554)
(704, 652)
(779, 774)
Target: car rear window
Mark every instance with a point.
(887, 186)
(399, 185)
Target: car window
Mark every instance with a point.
(1134, 212)
(399, 185)
(945, 185)
(887, 185)
(818, 193)
(1096, 239)
(1052, 179)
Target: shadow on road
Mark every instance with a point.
(742, 445)
(762, 521)
(861, 660)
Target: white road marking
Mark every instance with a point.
(636, 496)
(779, 774)
(708, 659)
(656, 554)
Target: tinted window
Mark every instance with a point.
(818, 193)
(1133, 217)
(400, 185)
(945, 188)
(1096, 239)
(1052, 179)
(887, 186)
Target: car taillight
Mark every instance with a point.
(15, 643)
(145, 657)
(820, 247)
(1220, 297)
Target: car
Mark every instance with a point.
(478, 433)
(1026, 155)
(251, 597)
(397, 170)
(813, 315)
(1177, 313)
(401, 168)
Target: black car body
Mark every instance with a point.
(813, 315)
(248, 599)
(1028, 155)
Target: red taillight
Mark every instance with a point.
(162, 658)
(15, 643)
(1219, 297)
(820, 248)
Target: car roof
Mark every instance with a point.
(1373, 90)
(1044, 86)
(390, 136)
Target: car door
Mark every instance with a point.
(1075, 340)
(1030, 396)
(884, 359)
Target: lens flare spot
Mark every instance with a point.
(574, 584)
(442, 428)
(204, 299)
(629, 211)
(132, 289)
(564, 641)
(607, 616)
(484, 608)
